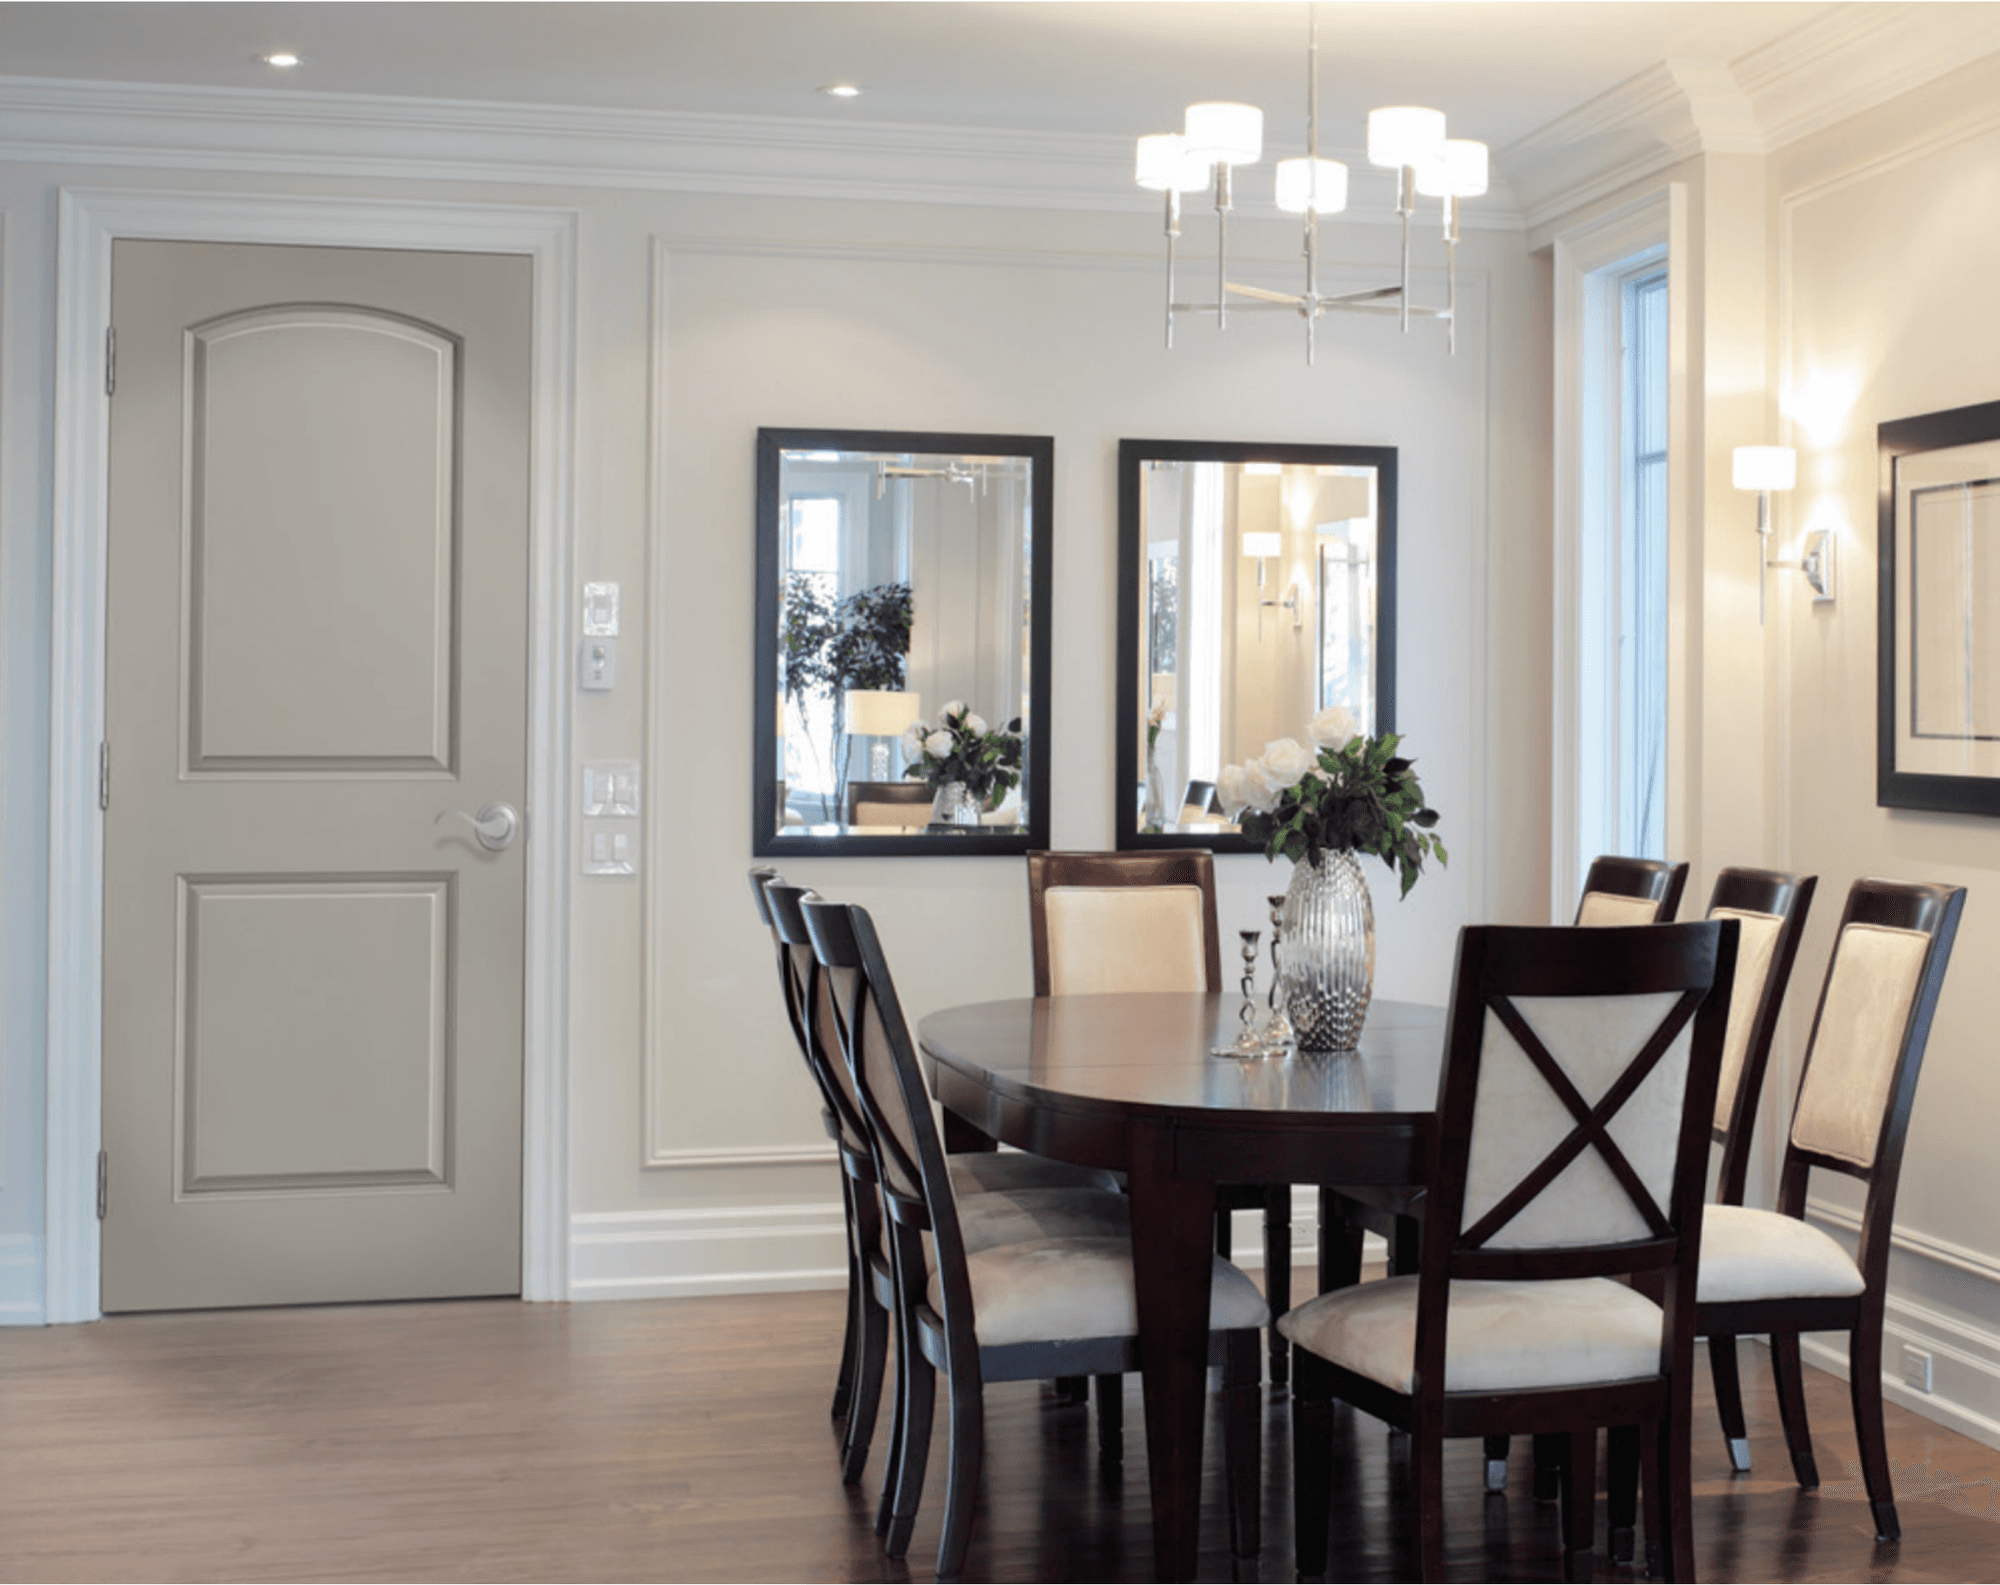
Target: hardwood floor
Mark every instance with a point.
(688, 1440)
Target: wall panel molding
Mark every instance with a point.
(1941, 1251)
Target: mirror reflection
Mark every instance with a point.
(898, 635)
(1258, 586)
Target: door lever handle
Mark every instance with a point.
(495, 826)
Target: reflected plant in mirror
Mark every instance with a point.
(1257, 588)
(896, 568)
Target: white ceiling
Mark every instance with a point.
(1500, 69)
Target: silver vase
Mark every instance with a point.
(953, 805)
(1326, 955)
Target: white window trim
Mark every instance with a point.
(1654, 225)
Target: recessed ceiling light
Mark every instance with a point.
(841, 91)
(284, 59)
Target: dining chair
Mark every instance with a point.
(1199, 802)
(1049, 1306)
(1103, 923)
(1773, 1271)
(1569, 1152)
(888, 803)
(1624, 891)
(858, 1390)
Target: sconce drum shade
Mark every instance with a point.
(1165, 165)
(1318, 185)
(881, 712)
(1459, 171)
(1263, 543)
(1226, 134)
(1405, 135)
(1764, 468)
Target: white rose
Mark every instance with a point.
(956, 707)
(1234, 786)
(1285, 762)
(1259, 792)
(938, 745)
(1334, 727)
(913, 739)
(976, 725)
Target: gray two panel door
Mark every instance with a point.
(316, 661)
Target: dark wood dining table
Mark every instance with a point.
(1128, 1082)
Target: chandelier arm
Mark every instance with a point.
(1406, 201)
(1173, 234)
(1224, 198)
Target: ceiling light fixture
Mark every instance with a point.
(841, 91)
(1406, 139)
(283, 59)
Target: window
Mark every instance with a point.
(1642, 562)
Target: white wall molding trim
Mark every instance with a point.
(89, 220)
(747, 1156)
(21, 1299)
(1942, 1251)
(726, 1249)
(1965, 1367)
(404, 138)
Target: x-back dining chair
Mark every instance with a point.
(1102, 923)
(1027, 1310)
(1570, 1151)
(1774, 1272)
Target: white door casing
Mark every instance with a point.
(89, 222)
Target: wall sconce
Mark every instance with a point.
(1264, 544)
(1768, 468)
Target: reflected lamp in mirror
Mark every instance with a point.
(895, 568)
(1210, 535)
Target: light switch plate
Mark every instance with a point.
(597, 665)
(600, 610)
(610, 847)
(611, 787)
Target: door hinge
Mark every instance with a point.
(110, 360)
(104, 775)
(103, 1181)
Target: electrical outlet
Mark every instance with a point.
(1916, 1368)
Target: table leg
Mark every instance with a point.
(1172, 1267)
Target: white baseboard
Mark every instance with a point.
(1965, 1367)
(21, 1281)
(783, 1248)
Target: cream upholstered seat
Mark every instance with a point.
(1571, 1134)
(1017, 1216)
(1771, 1271)
(1041, 1307)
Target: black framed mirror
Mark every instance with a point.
(902, 676)
(1256, 586)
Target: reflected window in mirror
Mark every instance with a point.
(1256, 587)
(902, 665)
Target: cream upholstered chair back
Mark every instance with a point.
(890, 803)
(1622, 891)
(1873, 1023)
(1105, 923)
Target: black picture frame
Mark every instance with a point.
(1897, 784)
(1133, 455)
(768, 838)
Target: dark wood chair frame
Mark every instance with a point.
(870, 1284)
(1495, 965)
(1935, 910)
(1179, 867)
(1202, 795)
(917, 1200)
(888, 792)
(1657, 879)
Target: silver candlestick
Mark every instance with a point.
(1277, 1031)
(1248, 1043)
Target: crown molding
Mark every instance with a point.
(1838, 65)
(362, 135)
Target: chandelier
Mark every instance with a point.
(1407, 139)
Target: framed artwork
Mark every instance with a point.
(1938, 613)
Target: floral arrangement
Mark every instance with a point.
(961, 748)
(1155, 719)
(1353, 793)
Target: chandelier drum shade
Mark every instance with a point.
(1407, 139)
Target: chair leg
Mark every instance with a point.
(1339, 1245)
(1427, 1496)
(1652, 1514)
(1110, 1420)
(1621, 1490)
(1312, 1462)
(1675, 1476)
(1278, 1275)
(1072, 1389)
(1224, 1231)
(1792, 1406)
(843, 1387)
(1406, 1247)
(1548, 1466)
(1864, 1387)
(867, 1391)
(1242, 1448)
(913, 1451)
(1729, 1401)
(968, 1436)
(1496, 1463)
(899, 1432)
(1579, 1506)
